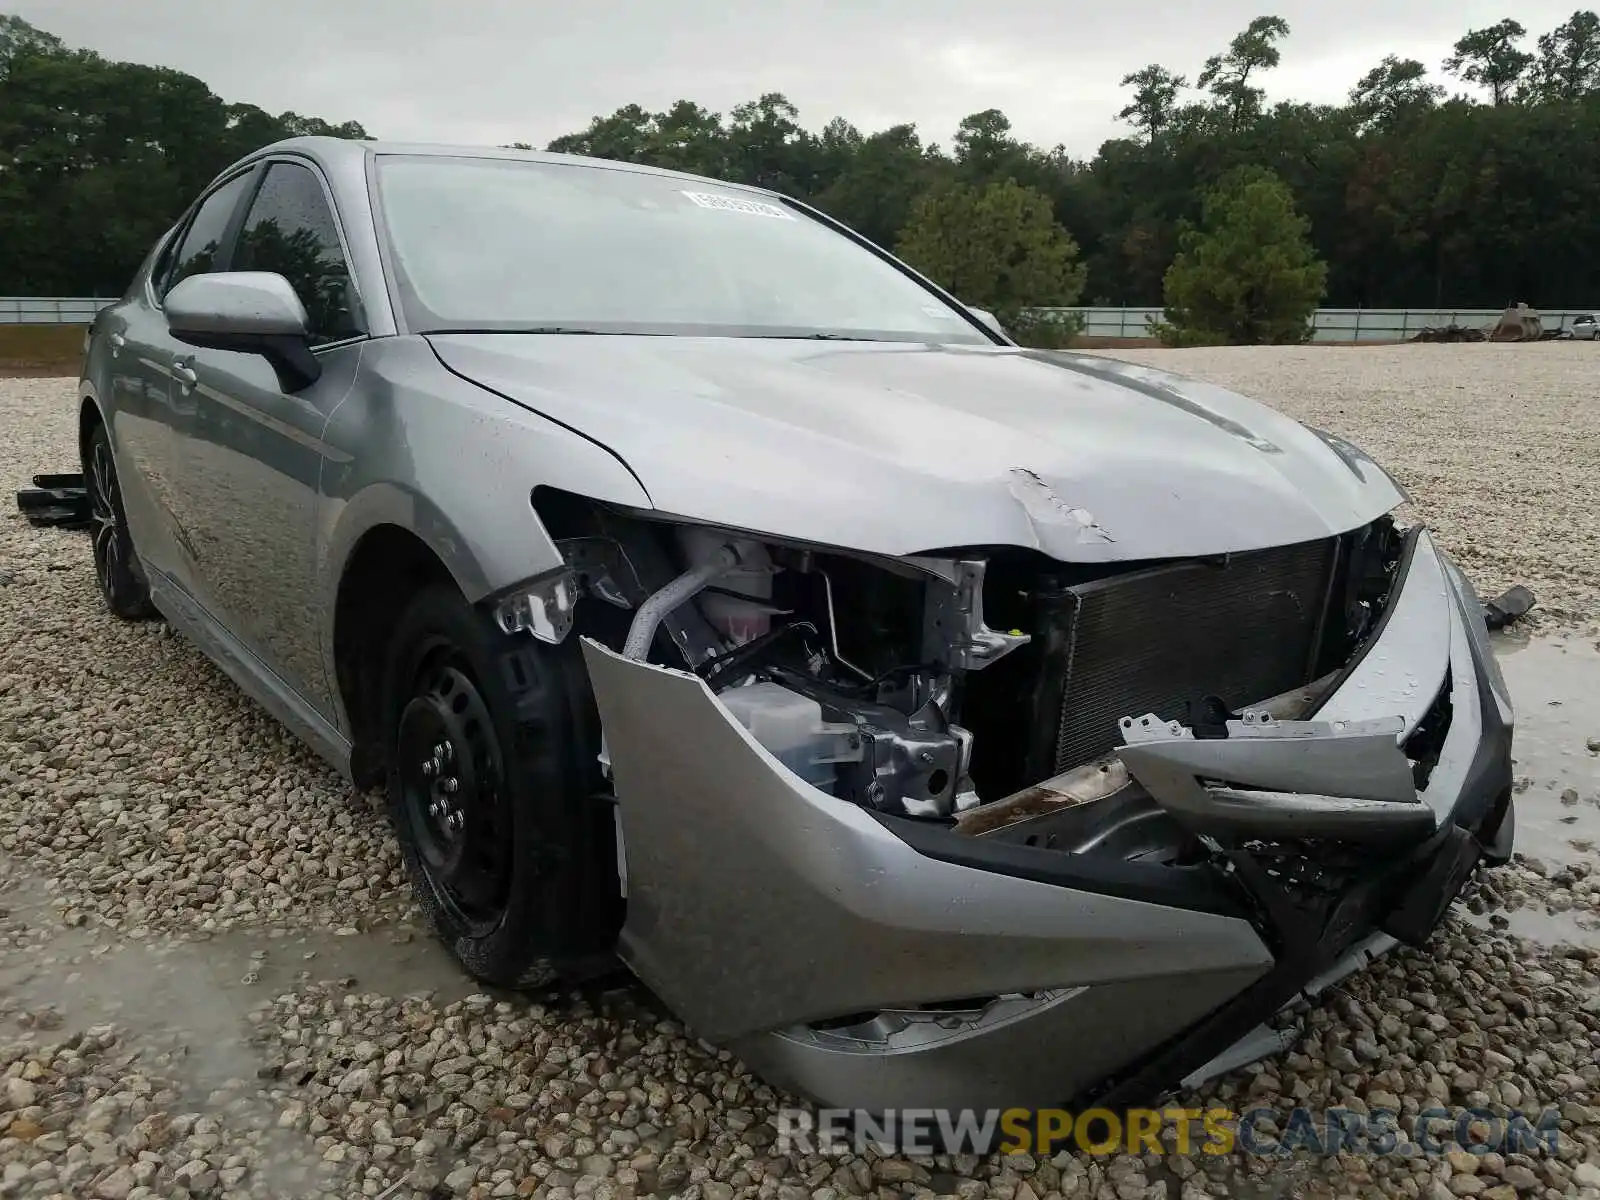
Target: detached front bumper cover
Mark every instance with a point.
(1344, 777)
(876, 962)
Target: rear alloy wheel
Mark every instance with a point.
(494, 794)
(116, 566)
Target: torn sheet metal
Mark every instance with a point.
(541, 607)
(1051, 515)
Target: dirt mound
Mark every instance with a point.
(1449, 333)
(1518, 323)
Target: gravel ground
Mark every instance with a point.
(1498, 445)
(211, 982)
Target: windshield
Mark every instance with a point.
(494, 244)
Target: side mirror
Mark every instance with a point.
(989, 320)
(254, 312)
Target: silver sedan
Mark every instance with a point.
(932, 720)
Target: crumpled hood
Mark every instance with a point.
(897, 448)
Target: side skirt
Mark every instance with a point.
(253, 676)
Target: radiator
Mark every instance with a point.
(1151, 641)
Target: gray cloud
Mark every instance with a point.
(490, 71)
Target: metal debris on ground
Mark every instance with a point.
(1518, 323)
(56, 500)
(1511, 605)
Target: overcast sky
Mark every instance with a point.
(495, 71)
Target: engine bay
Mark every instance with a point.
(979, 689)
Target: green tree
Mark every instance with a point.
(1248, 274)
(761, 143)
(985, 151)
(877, 184)
(1491, 58)
(1568, 66)
(1393, 90)
(996, 246)
(98, 158)
(17, 38)
(688, 137)
(1410, 199)
(1155, 99)
(767, 146)
(1227, 76)
(624, 135)
(294, 125)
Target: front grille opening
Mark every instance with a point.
(1241, 630)
(1426, 741)
(1155, 639)
(1363, 583)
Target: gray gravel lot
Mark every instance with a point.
(211, 983)
(1499, 445)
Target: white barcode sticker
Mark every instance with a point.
(738, 204)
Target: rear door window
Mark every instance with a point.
(291, 230)
(202, 247)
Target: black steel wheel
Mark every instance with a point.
(116, 565)
(452, 777)
(493, 792)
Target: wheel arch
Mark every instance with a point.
(89, 415)
(389, 542)
(382, 567)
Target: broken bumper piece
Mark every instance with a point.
(875, 962)
(1343, 780)
(1348, 775)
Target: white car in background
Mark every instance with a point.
(1583, 328)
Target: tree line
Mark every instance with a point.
(1472, 182)
(98, 158)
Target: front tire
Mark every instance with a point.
(116, 565)
(493, 782)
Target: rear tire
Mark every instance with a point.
(494, 792)
(116, 565)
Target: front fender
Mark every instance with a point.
(404, 504)
(419, 448)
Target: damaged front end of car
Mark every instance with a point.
(982, 827)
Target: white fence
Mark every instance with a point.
(50, 310)
(1327, 324)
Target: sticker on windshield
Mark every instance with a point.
(752, 208)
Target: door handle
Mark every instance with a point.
(184, 373)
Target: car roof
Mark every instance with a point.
(332, 151)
